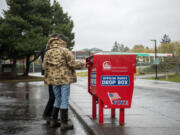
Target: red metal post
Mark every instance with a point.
(121, 115)
(94, 107)
(113, 113)
(101, 119)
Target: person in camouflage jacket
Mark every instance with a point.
(59, 65)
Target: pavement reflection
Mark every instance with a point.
(21, 108)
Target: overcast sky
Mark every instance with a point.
(99, 23)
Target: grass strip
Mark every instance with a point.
(170, 78)
(82, 74)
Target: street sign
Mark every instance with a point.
(156, 61)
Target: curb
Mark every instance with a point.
(88, 124)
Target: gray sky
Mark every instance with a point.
(3, 5)
(99, 23)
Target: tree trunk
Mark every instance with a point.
(14, 71)
(27, 66)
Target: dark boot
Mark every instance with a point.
(54, 119)
(64, 120)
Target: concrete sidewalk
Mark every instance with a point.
(139, 120)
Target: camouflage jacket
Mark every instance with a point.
(59, 64)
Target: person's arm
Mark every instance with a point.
(44, 61)
(44, 64)
(42, 58)
(71, 60)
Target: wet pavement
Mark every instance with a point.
(21, 108)
(155, 110)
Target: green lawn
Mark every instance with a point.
(82, 74)
(171, 78)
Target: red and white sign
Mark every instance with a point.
(107, 65)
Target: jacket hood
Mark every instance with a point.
(55, 43)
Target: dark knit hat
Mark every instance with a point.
(60, 36)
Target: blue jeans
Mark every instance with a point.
(61, 93)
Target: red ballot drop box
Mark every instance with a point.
(111, 83)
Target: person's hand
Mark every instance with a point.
(83, 64)
(83, 60)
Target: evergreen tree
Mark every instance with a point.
(166, 45)
(122, 48)
(35, 38)
(119, 48)
(24, 29)
(165, 39)
(26, 25)
(115, 47)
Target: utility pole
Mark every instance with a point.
(156, 67)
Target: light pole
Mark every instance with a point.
(156, 67)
